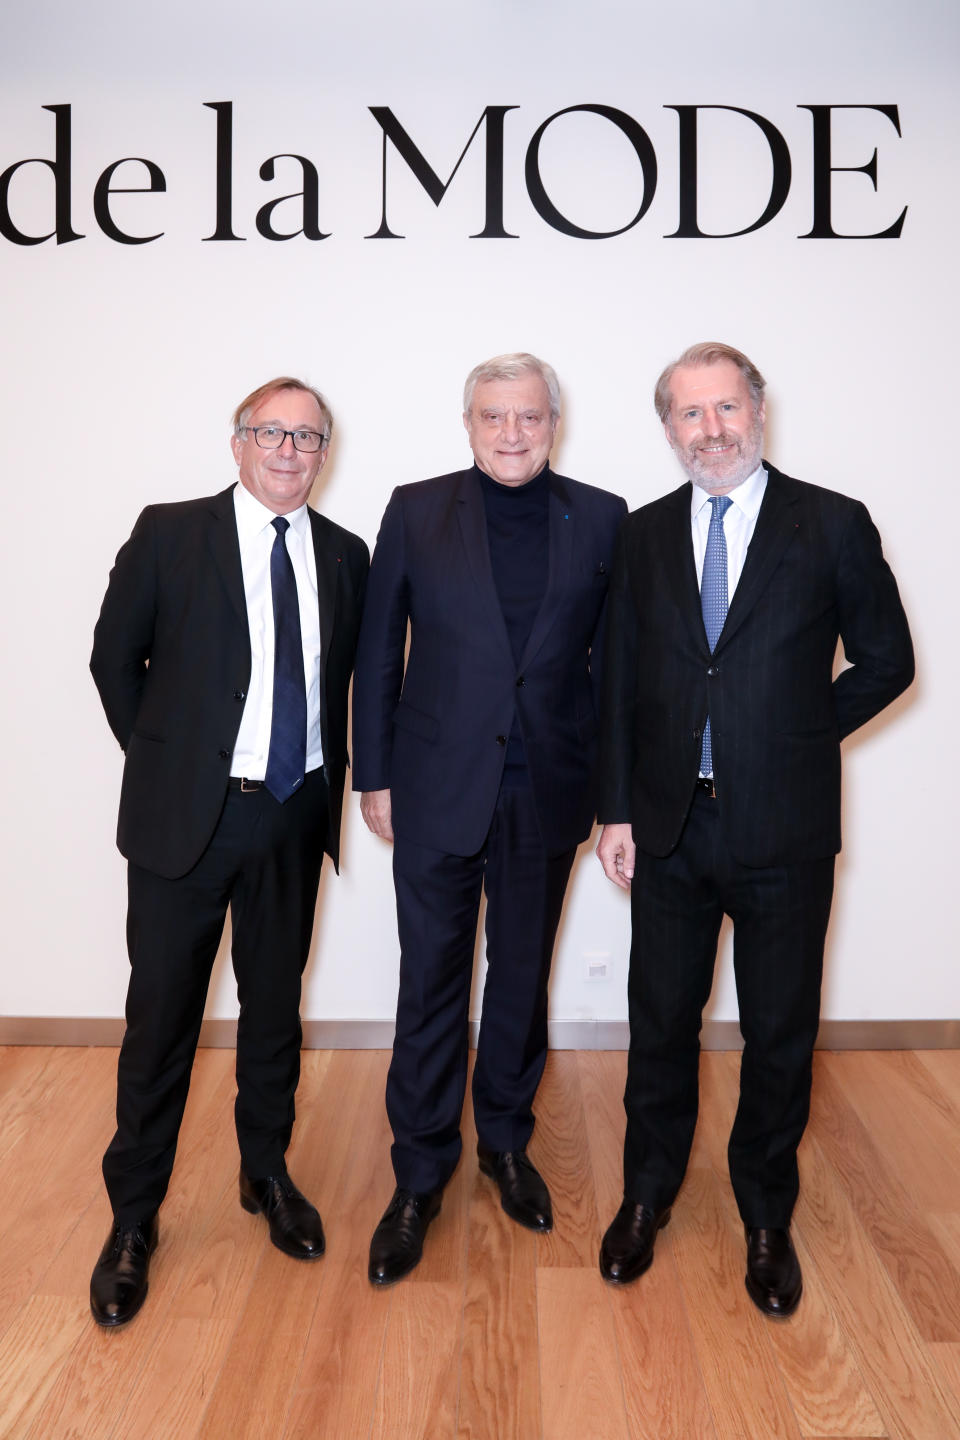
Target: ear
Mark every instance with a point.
(236, 443)
(466, 421)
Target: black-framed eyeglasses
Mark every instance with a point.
(271, 437)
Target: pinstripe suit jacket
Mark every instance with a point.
(814, 573)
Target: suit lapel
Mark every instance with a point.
(776, 527)
(562, 525)
(329, 559)
(677, 567)
(473, 530)
(225, 547)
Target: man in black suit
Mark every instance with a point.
(478, 761)
(720, 790)
(223, 655)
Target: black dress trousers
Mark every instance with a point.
(263, 862)
(779, 916)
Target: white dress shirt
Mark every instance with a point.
(738, 525)
(257, 535)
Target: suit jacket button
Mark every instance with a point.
(713, 670)
(501, 739)
(224, 754)
(520, 681)
(239, 695)
(698, 734)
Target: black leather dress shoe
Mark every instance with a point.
(774, 1282)
(627, 1248)
(118, 1285)
(295, 1226)
(397, 1244)
(523, 1194)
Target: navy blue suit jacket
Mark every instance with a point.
(432, 729)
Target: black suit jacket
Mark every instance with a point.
(171, 660)
(434, 733)
(814, 572)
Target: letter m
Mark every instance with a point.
(436, 188)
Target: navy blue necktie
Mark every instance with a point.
(713, 599)
(287, 757)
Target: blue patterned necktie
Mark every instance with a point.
(287, 757)
(713, 599)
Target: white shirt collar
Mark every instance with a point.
(254, 517)
(747, 497)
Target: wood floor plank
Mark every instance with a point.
(602, 1077)
(335, 1394)
(662, 1381)
(581, 1391)
(719, 1092)
(820, 1372)
(891, 1355)
(57, 1121)
(31, 1352)
(946, 1361)
(944, 1066)
(61, 1146)
(560, 1149)
(493, 1337)
(927, 1280)
(499, 1391)
(416, 1398)
(744, 1387)
(23, 1080)
(161, 1360)
(913, 1123)
(256, 1383)
(218, 1270)
(663, 1388)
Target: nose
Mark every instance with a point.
(712, 421)
(288, 440)
(511, 427)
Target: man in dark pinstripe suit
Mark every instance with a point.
(720, 791)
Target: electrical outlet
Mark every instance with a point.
(598, 966)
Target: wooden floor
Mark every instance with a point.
(500, 1334)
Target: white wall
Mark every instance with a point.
(121, 365)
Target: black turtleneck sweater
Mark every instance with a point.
(518, 532)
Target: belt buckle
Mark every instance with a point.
(249, 787)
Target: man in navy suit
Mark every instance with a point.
(720, 790)
(477, 758)
(223, 655)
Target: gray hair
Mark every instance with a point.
(283, 382)
(512, 367)
(708, 352)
